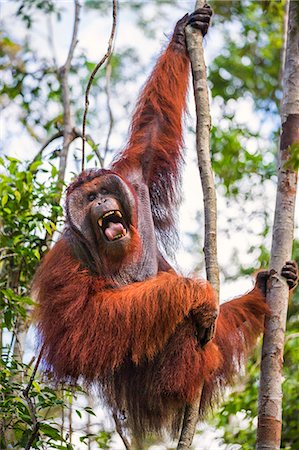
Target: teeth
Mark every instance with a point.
(107, 214)
(120, 235)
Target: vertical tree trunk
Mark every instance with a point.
(203, 126)
(270, 395)
(66, 102)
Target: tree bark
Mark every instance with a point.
(270, 394)
(67, 117)
(203, 126)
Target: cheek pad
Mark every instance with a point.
(76, 209)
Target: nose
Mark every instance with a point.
(102, 200)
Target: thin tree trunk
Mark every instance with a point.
(203, 126)
(67, 118)
(68, 127)
(270, 395)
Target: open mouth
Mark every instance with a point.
(113, 225)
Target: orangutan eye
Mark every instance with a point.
(104, 191)
(91, 197)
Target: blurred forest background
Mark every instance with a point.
(42, 103)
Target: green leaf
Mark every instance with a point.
(48, 228)
(17, 195)
(4, 200)
(36, 253)
(89, 410)
(35, 165)
(8, 319)
(50, 431)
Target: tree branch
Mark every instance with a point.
(93, 74)
(31, 406)
(74, 41)
(67, 119)
(120, 431)
(270, 393)
(203, 125)
(45, 145)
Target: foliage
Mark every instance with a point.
(28, 7)
(248, 67)
(30, 215)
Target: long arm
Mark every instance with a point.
(153, 154)
(155, 141)
(239, 324)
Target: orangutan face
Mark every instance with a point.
(102, 210)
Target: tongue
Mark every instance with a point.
(113, 230)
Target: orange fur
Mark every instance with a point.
(156, 139)
(124, 336)
(94, 315)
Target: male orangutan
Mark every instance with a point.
(112, 310)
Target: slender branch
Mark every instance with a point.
(31, 379)
(8, 256)
(93, 74)
(31, 406)
(33, 435)
(89, 139)
(120, 431)
(292, 336)
(67, 119)
(203, 126)
(70, 421)
(45, 145)
(74, 135)
(74, 40)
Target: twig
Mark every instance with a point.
(26, 391)
(88, 138)
(30, 404)
(120, 431)
(70, 421)
(8, 256)
(32, 436)
(45, 145)
(93, 74)
(203, 126)
(292, 336)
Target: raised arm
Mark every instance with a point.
(154, 147)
